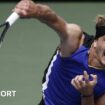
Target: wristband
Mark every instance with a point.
(85, 96)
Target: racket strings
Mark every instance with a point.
(6, 26)
(2, 25)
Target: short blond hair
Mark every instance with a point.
(100, 20)
(100, 26)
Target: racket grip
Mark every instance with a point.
(12, 18)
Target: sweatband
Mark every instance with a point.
(100, 31)
(85, 96)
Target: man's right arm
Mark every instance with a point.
(29, 9)
(70, 34)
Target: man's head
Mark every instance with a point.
(98, 46)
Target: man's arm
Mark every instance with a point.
(89, 100)
(85, 87)
(70, 34)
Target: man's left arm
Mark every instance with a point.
(85, 87)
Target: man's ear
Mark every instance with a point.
(95, 44)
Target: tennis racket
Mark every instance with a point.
(7, 24)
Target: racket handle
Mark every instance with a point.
(12, 18)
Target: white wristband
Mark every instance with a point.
(12, 18)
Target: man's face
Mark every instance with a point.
(100, 49)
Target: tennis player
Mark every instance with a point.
(72, 74)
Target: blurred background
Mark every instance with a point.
(29, 45)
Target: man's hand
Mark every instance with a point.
(83, 84)
(26, 9)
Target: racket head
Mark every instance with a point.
(5, 27)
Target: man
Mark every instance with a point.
(64, 74)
